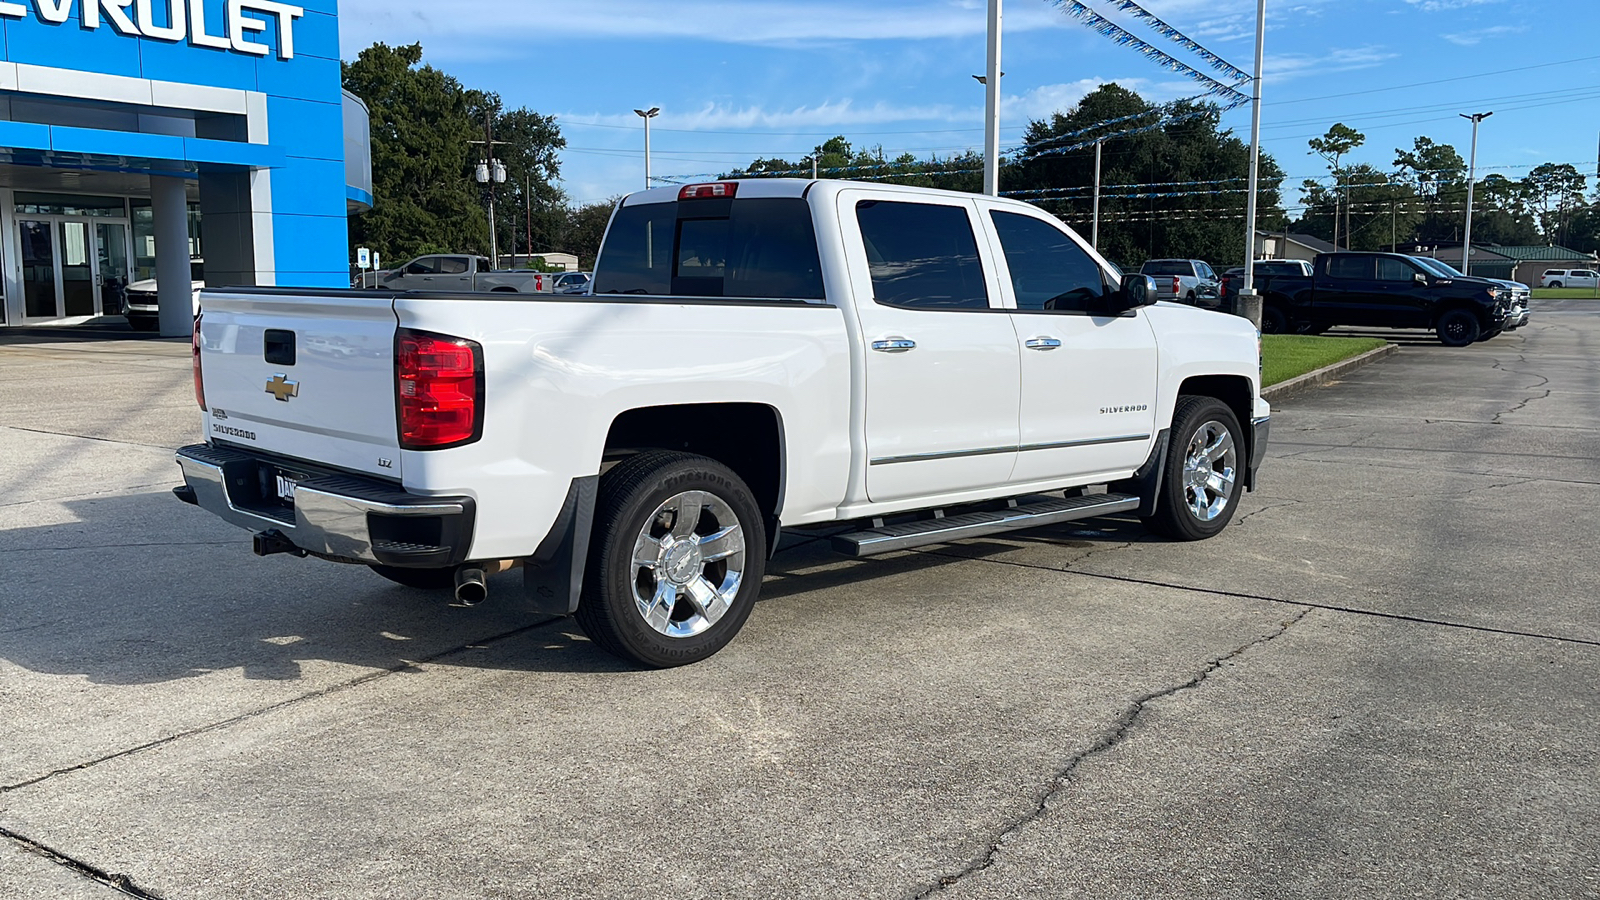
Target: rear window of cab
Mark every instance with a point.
(757, 248)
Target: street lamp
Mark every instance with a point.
(647, 115)
(1472, 173)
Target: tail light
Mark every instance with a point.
(199, 386)
(1177, 285)
(438, 390)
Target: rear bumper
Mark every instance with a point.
(333, 515)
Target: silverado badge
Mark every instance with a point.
(282, 388)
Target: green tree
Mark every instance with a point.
(1554, 191)
(529, 205)
(1379, 210)
(585, 226)
(1176, 189)
(424, 196)
(1332, 147)
(1436, 173)
(1500, 214)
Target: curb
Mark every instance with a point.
(1326, 374)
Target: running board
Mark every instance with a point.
(888, 538)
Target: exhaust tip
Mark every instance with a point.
(471, 589)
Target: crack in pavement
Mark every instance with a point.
(113, 880)
(292, 701)
(1543, 382)
(1061, 781)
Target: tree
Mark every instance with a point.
(1554, 190)
(1339, 140)
(528, 205)
(1379, 209)
(1173, 183)
(584, 228)
(836, 158)
(1501, 215)
(424, 196)
(1438, 175)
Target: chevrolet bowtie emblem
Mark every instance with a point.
(282, 388)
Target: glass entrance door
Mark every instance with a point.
(40, 295)
(114, 272)
(78, 269)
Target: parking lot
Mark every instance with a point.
(1382, 680)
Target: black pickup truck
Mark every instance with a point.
(1382, 290)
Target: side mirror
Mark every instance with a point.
(1137, 290)
(1420, 278)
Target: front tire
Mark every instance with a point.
(1458, 328)
(676, 561)
(1205, 465)
(1273, 321)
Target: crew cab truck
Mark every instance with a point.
(1382, 290)
(461, 272)
(917, 366)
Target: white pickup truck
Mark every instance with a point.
(900, 366)
(460, 272)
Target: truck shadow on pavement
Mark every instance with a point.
(140, 589)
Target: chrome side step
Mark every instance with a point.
(888, 538)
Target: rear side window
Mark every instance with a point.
(1048, 270)
(1352, 267)
(452, 265)
(762, 248)
(922, 255)
(1168, 267)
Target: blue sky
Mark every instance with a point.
(737, 80)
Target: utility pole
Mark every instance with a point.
(1247, 303)
(991, 116)
(489, 173)
(527, 216)
(647, 115)
(1472, 174)
(1094, 231)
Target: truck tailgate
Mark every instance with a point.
(308, 376)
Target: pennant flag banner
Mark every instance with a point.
(1165, 121)
(1221, 65)
(1121, 37)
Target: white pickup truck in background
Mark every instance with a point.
(916, 366)
(460, 272)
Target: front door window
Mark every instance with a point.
(78, 275)
(38, 270)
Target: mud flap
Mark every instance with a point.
(1146, 480)
(552, 577)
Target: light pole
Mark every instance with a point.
(647, 115)
(1247, 302)
(991, 116)
(1472, 174)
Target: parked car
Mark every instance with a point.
(1233, 279)
(1383, 290)
(460, 272)
(637, 450)
(1189, 281)
(1518, 295)
(1578, 278)
(143, 311)
(573, 282)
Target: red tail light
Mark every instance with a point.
(1176, 285)
(708, 191)
(438, 390)
(199, 386)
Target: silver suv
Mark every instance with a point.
(1185, 280)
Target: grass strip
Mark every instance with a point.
(1285, 356)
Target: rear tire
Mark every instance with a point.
(1204, 472)
(1458, 328)
(676, 560)
(1554, 284)
(422, 579)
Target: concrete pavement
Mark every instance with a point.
(1382, 678)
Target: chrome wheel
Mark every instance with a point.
(1210, 465)
(688, 564)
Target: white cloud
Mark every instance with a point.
(1443, 5)
(1473, 38)
(1286, 67)
(464, 26)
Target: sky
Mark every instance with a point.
(741, 79)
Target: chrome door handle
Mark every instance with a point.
(1042, 343)
(894, 345)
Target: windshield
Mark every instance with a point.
(1436, 267)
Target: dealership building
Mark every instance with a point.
(154, 138)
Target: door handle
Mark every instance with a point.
(1042, 343)
(894, 345)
